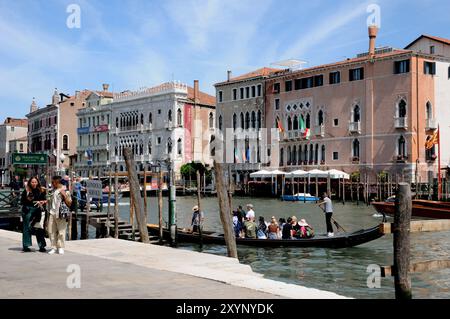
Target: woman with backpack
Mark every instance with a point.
(306, 231)
(59, 213)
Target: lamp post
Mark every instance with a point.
(62, 158)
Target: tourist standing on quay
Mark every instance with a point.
(16, 185)
(327, 207)
(33, 203)
(57, 223)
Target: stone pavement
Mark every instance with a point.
(113, 268)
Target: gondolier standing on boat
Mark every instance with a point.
(327, 207)
(197, 219)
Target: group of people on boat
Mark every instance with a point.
(245, 226)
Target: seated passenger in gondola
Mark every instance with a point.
(262, 228)
(250, 228)
(237, 225)
(295, 228)
(273, 229)
(287, 229)
(306, 231)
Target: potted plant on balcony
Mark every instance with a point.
(355, 159)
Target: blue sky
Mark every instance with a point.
(131, 44)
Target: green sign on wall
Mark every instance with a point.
(29, 159)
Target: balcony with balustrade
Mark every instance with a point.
(431, 124)
(354, 127)
(319, 130)
(401, 122)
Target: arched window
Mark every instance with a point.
(305, 157)
(220, 122)
(289, 156)
(169, 116)
(401, 144)
(355, 147)
(294, 155)
(117, 122)
(169, 145)
(300, 155)
(142, 119)
(320, 118)
(356, 114)
(150, 118)
(429, 111)
(179, 118)
(234, 121)
(402, 108)
(247, 121)
(141, 148)
(242, 121)
(311, 154)
(281, 157)
(150, 147)
(289, 124)
(179, 147)
(316, 154)
(322, 155)
(308, 121)
(259, 120)
(295, 124)
(211, 120)
(65, 143)
(253, 120)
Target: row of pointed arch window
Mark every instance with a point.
(133, 119)
(140, 149)
(251, 120)
(302, 155)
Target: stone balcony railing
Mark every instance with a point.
(354, 127)
(431, 124)
(401, 122)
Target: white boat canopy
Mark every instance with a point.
(278, 172)
(260, 174)
(336, 174)
(317, 173)
(299, 173)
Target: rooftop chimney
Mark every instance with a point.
(228, 75)
(196, 93)
(373, 31)
(105, 87)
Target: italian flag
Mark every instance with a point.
(306, 131)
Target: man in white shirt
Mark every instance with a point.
(250, 212)
(327, 207)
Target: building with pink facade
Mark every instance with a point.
(368, 114)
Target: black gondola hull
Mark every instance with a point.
(339, 241)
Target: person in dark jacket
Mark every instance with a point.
(287, 229)
(33, 202)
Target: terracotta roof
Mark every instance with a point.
(438, 39)
(204, 99)
(16, 122)
(105, 93)
(254, 74)
(344, 62)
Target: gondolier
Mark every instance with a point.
(327, 207)
(197, 219)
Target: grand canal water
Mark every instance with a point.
(343, 271)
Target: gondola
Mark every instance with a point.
(340, 240)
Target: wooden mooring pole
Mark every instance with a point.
(199, 207)
(225, 210)
(402, 220)
(135, 195)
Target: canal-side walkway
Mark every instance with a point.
(111, 268)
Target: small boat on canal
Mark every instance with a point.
(300, 197)
(420, 208)
(340, 240)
